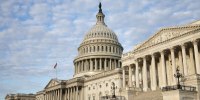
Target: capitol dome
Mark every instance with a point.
(100, 50)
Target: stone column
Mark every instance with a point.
(91, 65)
(77, 93)
(100, 64)
(173, 65)
(48, 95)
(124, 78)
(118, 63)
(74, 68)
(196, 54)
(54, 95)
(153, 72)
(95, 64)
(115, 60)
(74, 93)
(163, 69)
(130, 76)
(45, 97)
(84, 67)
(192, 66)
(61, 96)
(51, 95)
(69, 91)
(65, 94)
(77, 67)
(82, 94)
(184, 59)
(105, 64)
(110, 64)
(144, 72)
(58, 94)
(136, 74)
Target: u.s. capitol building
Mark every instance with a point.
(145, 73)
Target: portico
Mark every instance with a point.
(159, 56)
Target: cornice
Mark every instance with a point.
(104, 74)
(100, 41)
(93, 56)
(169, 29)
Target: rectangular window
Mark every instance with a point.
(93, 97)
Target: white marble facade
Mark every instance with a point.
(148, 67)
(96, 67)
(157, 58)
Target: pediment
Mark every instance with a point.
(165, 35)
(52, 82)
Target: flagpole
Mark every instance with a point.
(56, 73)
(55, 67)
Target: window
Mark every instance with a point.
(98, 48)
(106, 84)
(89, 98)
(93, 97)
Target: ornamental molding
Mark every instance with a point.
(95, 56)
(104, 74)
(166, 34)
(103, 41)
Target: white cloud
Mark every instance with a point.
(36, 34)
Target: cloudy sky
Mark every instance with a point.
(35, 34)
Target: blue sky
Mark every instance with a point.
(35, 34)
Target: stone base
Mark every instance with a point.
(193, 80)
(128, 94)
(179, 95)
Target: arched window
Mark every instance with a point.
(106, 48)
(102, 48)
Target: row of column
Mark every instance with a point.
(183, 57)
(96, 64)
(109, 49)
(53, 95)
(73, 93)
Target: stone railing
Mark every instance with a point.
(103, 74)
(110, 97)
(78, 79)
(175, 87)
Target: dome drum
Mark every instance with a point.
(99, 51)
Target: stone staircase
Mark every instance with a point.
(149, 95)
